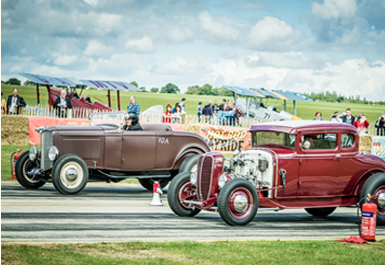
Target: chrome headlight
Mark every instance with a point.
(193, 178)
(222, 180)
(34, 153)
(53, 153)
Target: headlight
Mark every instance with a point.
(33, 153)
(193, 178)
(53, 153)
(222, 180)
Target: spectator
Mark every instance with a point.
(215, 107)
(361, 123)
(348, 119)
(62, 103)
(238, 114)
(168, 114)
(220, 114)
(175, 106)
(199, 111)
(3, 104)
(380, 125)
(177, 114)
(224, 101)
(318, 116)
(183, 113)
(208, 112)
(133, 107)
(230, 110)
(14, 102)
(335, 117)
(131, 122)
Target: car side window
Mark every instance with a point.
(347, 140)
(319, 141)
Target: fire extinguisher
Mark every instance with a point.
(369, 220)
(15, 157)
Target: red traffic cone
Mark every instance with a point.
(156, 201)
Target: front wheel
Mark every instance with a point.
(22, 167)
(320, 212)
(375, 185)
(238, 202)
(179, 189)
(69, 174)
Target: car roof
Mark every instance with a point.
(301, 125)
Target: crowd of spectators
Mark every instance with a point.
(359, 121)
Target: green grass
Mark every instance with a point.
(6, 151)
(305, 109)
(186, 252)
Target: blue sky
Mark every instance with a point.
(302, 46)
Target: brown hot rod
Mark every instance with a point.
(102, 151)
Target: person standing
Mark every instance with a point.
(215, 107)
(318, 116)
(62, 103)
(15, 102)
(199, 111)
(380, 125)
(133, 107)
(361, 123)
(183, 113)
(348, 119)
(208, 112)
(3, 105)
(168, 114)
(335, 117)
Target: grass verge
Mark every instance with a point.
(187, 252)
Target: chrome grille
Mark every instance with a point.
(205, 164)
(45, 145)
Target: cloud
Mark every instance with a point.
(65, 59)
(95, 48)
(216, 29)
(272, 33)
(144, 45)
(180, 35)
(335, 9)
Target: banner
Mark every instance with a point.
(378, 146)
(225, 139)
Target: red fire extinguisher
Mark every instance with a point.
(15, 157)
(369, 220)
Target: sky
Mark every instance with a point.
(290, 45)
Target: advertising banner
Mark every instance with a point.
(225, 139)
(378, 146)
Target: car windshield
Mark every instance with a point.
(113, 118)
(279, 138)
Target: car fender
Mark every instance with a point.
(184, 154)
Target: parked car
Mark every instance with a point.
(291, 164)
(70, 156)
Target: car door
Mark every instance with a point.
(321, 171)
(138, 150)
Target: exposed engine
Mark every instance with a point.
(256, 166)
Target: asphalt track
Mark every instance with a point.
(121, 212)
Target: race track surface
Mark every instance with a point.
(121, 212)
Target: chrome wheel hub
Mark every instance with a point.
(381, 200)
(71, 174)
(240, 203)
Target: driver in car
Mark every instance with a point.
(131, 123)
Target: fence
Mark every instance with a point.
(84, 113)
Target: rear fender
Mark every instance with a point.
(184, 154)
(362, 181)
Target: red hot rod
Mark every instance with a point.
(293, 164)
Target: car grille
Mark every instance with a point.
(204, 179)
(45, 144)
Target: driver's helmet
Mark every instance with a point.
(133, 116)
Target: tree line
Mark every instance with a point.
(207, 89)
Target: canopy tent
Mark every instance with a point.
(262, 93)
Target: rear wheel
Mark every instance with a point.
(375, 185)
(148, 183)
(320, 212)
(180, 188)
(69, 174)
(238, 202)
(22, 167)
